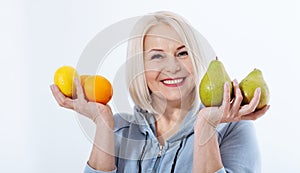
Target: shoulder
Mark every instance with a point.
(122, 120)
(236, 129)
(239, 147)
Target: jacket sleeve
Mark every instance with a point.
(239, 149)
(89, 169)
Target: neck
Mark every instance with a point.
(172, 108)
(170, 115)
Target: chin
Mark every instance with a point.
(174, 98)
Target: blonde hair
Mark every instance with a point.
(136, 80)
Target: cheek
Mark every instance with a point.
(151, 76)
(151, 71)
(148, 75)
(189, 66)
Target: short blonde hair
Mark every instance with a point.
(136, 80)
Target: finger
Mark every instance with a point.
(226, 98)
(247, 109)
(80, 102)
(58, 95)
(79, 90)
(238, 98)
(257, 114)
(62, 100)
(255, 100)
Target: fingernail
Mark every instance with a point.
(52, 88)
(235, 82)
(226, 84)
(258, 90)
(76, 80)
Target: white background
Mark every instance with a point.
(36, 37)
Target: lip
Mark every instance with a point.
(173, 82)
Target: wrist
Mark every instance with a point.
(203, 122)
(100, 122)
(204, 131)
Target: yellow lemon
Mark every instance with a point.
(64, 79)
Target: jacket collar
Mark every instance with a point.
(146, 123)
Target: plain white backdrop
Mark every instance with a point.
(36, 37)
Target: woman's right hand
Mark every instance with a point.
(97, 112)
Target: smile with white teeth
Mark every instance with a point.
(175, 81)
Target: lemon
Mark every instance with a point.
(64, 79)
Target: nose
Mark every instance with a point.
(172, 65)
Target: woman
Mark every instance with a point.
(169, 131)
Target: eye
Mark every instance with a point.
(156, 56)
(182, 54)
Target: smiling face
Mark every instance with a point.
(168, 67)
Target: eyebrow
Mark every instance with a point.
(180, 47)
(160, 50)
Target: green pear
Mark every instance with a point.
(248, 85)
(211, 87)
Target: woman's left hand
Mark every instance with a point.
(231, 110)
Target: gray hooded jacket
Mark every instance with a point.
(137, 149)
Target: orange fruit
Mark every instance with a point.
(64, 79)
(82, 79)
(98, 89)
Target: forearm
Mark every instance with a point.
(102, 155)
(207, 156)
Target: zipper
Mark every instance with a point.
(160, 151)
(158, 158)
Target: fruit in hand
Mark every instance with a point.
(211, 87)
(249, 84)
(97, 89)
(64, 79)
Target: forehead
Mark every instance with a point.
(162, 32)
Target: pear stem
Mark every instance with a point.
(217, 58)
